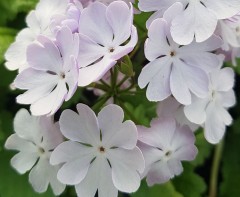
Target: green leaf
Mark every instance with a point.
(165, 190)
(231, 166)
(204, 149)
(189, 183)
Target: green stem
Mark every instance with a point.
(100, 103)
(125, 109)
(215, 169)
(100, 87)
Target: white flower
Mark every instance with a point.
(164, 145)
(212, 110)
(53, 75)
(35, 139)
(106, 34)
(101, 154)
(176, 69)
(38, 22)
(198, 18)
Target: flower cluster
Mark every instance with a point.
(71, 44)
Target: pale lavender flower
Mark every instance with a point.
(176, 69)
(38, 22)
(197, 19)
(212, 110)
(170, 108)
(101, 154)
(35, 139)
(53, 75)
(164, 145)
(104, 31)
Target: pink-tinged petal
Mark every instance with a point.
(196, 111)
(81, 127)
(39, 175)
(23, 161)
(228, 98)
(14, 142)
(120, 18)
(93, 23)
(44, 55)
(125, 133)
(179, 87)
(195, 78)
(66, 42)
(89, 52)
(216, 122)
(185, 153)
(182, 136)
(168, 107)
(150, 155)
(95, 72)
(159, 173)
(223, 8)
(70, 151)
(27, 126)
(157, 45)
(51, 103)
(175, 167)
(121, 51)
(124, 177)
(195, 21)
(159, 134)
(133, 159)
(154, 16)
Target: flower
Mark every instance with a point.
(106, 35)
(37, 24)
(176, 69)
(170, 108)
(101, 153)
(197, 19)
(212, 110)
(35, 138)
(164, 145)
(53, 71)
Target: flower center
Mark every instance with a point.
(111, 50)
(168, 153)
(172, 53)
(41, 150)
(101, 149)
(62, 75)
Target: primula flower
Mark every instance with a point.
(170, 108)
(35, 139)
(164, 145)
(198, 18)
(70, 18)
(106, 35)
(176, 69)
(37, 24)
(53, 75)
(101, 153)
(212, 110)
